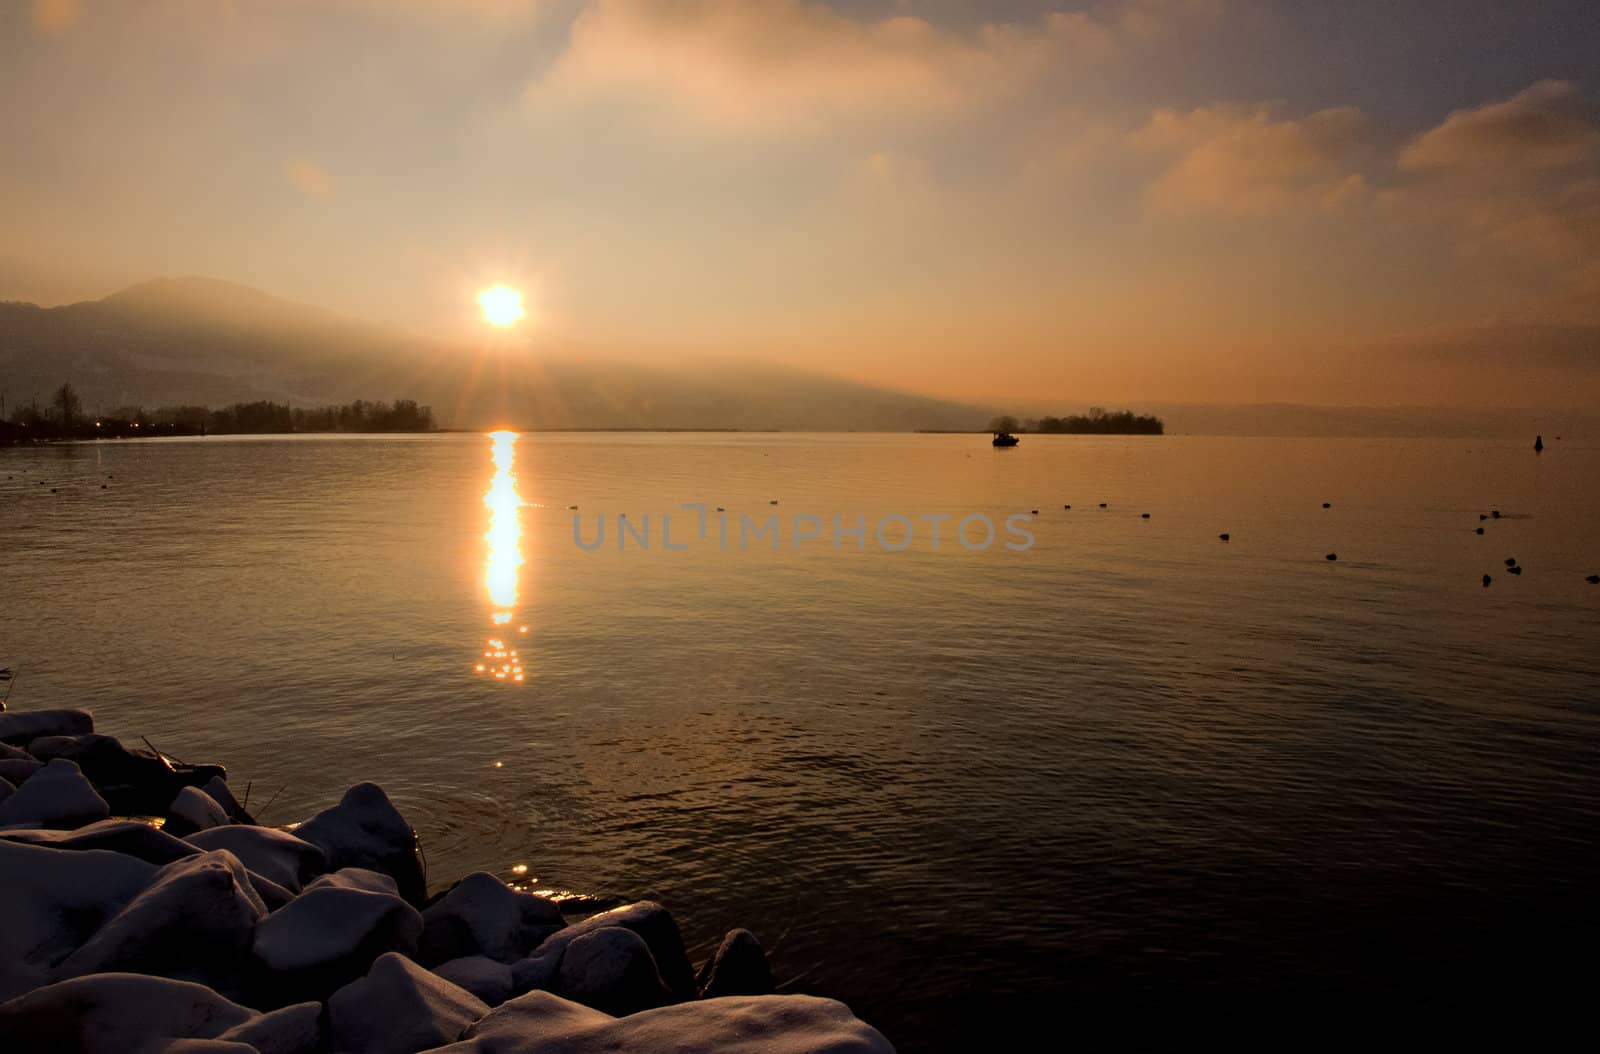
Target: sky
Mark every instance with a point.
(1225, 201)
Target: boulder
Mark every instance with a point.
(612, 971)
(6, 789)
(115, 1013)
(482, 915)
(18, 727)
(490, 981)
(17, 770)
(55, 796)
(739, 967)
(132, 781)
(11, 753)
(357, 878)
(538, 970)
(400, 1008)
(194, 810)
(277, 855)
(366, 830)
(52, 901)
(328, 936)
(296, 1029)
(129, 837)
(218, 790)
(195, 922)
(541, 1023)
(655, 925)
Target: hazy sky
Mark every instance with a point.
(1368, 201)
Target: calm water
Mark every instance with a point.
(1130, 768)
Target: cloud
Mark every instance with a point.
(54, 16)
(1545, 126)
(780, 66)
(1242, 160)
(308, 178)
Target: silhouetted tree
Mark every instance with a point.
(1004, 424)
(67, 406)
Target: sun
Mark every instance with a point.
(502, 306)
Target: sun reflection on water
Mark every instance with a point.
(503, 564)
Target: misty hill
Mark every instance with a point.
(201, 340)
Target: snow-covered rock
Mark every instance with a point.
(400, 1008)
(739, 967)
(51, 901)
(217, 790)
(17, 770)
(484, 916)
(366, 830)
(490, 981)
(328, 936)
(195, 922)
(57, 795)
(357, 878)
(541, 1023)
(277, 855)
(195, 810)
(611, 970)
(11, 753)
(650, 921)
(538, 970)
(18, 727)
(295, 1029)
(115, 1013)
(130, 837)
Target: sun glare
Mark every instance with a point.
(502, 306)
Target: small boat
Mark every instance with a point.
(1005, 439)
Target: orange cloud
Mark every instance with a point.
(1543, 127)
(55, 16)
(308, 178)
(1240, 160)
(788, 65)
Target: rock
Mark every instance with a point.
(24, 726)
(400, 1008)
(272, 895)
(739, 967)
(650, 921)
(132, 781)
(115, 1013)
(358, 878)
(55, 796)
(17, 770)
(277, 855)
(540, 1023)
(194, 810)
(295, 1029)
(51, 901)
(129, 837)
(612, 971)
(366, 830)
(490, 981)
(195, 922)
(217, 790)
(538, 970)
(482, 915)
(11, 753)
(328, 936)
(6, 789)
(196, 1046)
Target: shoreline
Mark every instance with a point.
(143, 907)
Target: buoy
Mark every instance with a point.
(1102, 504)
(1486, 581)
(1327, 505)
(1033, 512)
(1333, 556)
(1223, 536)
(1144, 516)
(1477, 530)
(1066, 506)
(1511, 561)
(1538, 444)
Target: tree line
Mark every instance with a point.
(63, 417)
(1096, 422)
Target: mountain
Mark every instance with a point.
(201, 340)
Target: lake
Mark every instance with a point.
(1126, 769)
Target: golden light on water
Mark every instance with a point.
(502, 307)
(503, 563)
